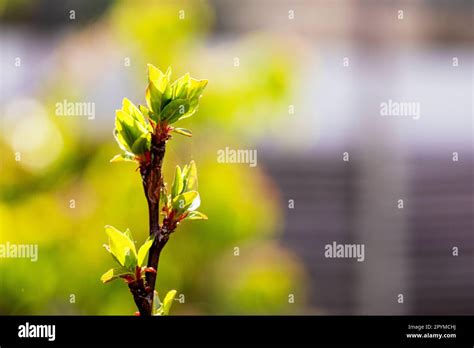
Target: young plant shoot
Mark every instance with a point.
(142, 132)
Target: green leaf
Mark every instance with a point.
(168, 301)
(196, 215)
(128, 128)
(108, 276)
(174, 110)
(125, 157)
(121, 246)
(130, 260)
(177, 186)
(183, 131)
(128, 233)
(132, 110)
(124, 126)
(157, 305)
(159, 91)
(142, 144)
(189, 111)
(144, 110)
(184, 175)
(107, 247)
(156, 76)
(186, 201)
(167, 97)
(121, 141)
(167, 91)
(195, 203)
(153, 98)
(196, 87)
(180, 87)
(190, 176)
(113, 274)
(143, 252)
(149, 114)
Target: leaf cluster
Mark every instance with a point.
(131, 263)
(184, 198)
(166, 103)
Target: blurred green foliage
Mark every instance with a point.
(200, 261)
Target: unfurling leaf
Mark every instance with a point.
(153, 98)
(128, 233)
(143, 252)
(183, 131)
(122, 133)
(160, 308)
(174, 110)
(129, 129)
(190, 177)
(177, 186)
(195, 203)
(124, 157)
(168, 301)
(159, 91)
(157, 308)
(180, 87)
(146, 112)
(187, 201)
(114, 273)
(196, 87)
(156, 76)
(196, 215)
(142, 144)
(121, 247)
(132, 110)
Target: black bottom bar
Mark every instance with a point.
(417, 331)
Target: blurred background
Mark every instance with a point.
(301, 82)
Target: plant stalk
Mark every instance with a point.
(152, 180)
